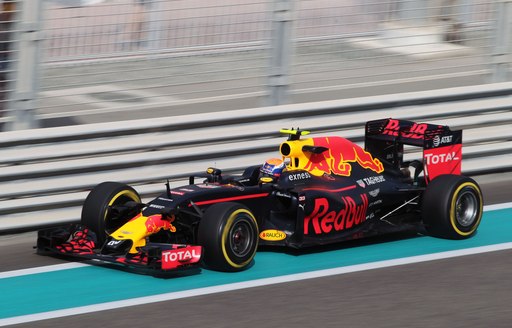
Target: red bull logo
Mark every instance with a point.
(155, 223)
(339, 156)
(140, 227)
(324, 220)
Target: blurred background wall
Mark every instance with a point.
(70, 62)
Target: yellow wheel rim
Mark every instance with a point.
(466, 208)
(227, 237)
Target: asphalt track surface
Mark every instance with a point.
(466, 291)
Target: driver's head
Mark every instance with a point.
(273, 167)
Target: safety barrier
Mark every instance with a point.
(72, 64)
(46, 173)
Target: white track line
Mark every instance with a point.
(496, 207)
(42, 269)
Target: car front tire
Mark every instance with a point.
(228, 233)
(95, 211)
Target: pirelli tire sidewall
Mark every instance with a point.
(452, 207)
(228, 233)
(95, 214)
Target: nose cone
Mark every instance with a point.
(141, 227)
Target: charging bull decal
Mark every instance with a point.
(338, 157)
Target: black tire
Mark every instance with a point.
(452, 207)
(95, 213)
(228, 233)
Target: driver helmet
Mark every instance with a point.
(273, 167)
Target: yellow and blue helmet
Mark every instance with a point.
(273, 167)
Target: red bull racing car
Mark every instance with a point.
(321, 190)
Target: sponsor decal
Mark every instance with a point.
(324, 220)
(187, 190)
(416, 131)
(339, 156)
(174, 258)
(240, 188)
(174, 192)
(361, 183)
(283, 194)
(374, 193)
(156, 206)
(299, 176)
(272, 235)
(180, 255)
(166, 199)
(207, 186)
(436, 141)
(114, 242)
(441, 158)
(377, 202)
(374, 180)
(302, 202)
(442, 140)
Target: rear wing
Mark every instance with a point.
(442, 147)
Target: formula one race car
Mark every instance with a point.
(319, 191)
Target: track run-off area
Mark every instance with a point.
(66, 289)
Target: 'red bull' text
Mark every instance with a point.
(323, 220)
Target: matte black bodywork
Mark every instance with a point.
(310, 210)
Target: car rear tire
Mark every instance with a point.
(95, 211)
(228, 233)
(452, 207)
